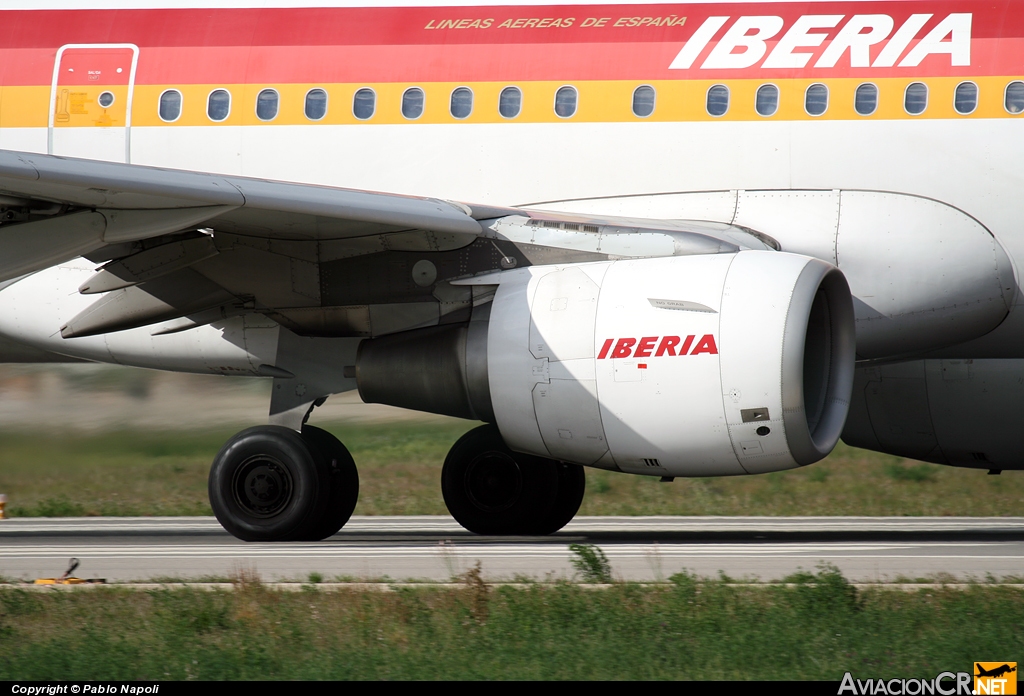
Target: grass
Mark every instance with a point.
(685, 629)
(164, 473)
(848, 482)
(591, 563)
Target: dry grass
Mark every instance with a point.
(164, 473)
(687, 629)
(848, 482)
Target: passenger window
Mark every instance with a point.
(865, 100)
(266, 105)
(915, 98)
(1014, 97)
(965, 100)
(316, 104)
(364, 103)
(170, 105)
(461, 105)
(718, 100)
(412, 103)
(643, 101)
(767, 100)
(218, 104)
(510, 102)
(816, 99)
(565, 102)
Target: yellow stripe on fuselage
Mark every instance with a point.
(599, 102)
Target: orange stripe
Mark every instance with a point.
(598, 102)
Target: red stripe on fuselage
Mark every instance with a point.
(370, 64)
(396, 26)
(394, 44)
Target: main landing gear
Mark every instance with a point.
(270, 483)
(489, 489)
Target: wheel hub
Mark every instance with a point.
(262, 486)
(494, 481)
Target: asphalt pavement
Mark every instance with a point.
(436, 548)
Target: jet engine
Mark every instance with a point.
(702, 365)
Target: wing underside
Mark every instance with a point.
(190, 248)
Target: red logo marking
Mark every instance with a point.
(706, 345)
(624, 348)
(669, 345)
(646, 345)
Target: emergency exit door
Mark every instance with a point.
(91, 101)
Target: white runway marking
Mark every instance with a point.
(474, 550)
(437, 523)
(436, 548)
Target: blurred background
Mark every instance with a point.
(92, 397)
(89, 439)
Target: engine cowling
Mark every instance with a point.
(687, 366)
(959, 412)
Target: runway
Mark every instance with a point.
(437, 548)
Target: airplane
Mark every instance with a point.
(995, 671)
(667, 239)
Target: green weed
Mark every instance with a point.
(54, 507)
(591, 563)
(816, 629)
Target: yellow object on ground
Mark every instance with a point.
(68, 579)
(60, 581)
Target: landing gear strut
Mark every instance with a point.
(270, 483)
(489, 489)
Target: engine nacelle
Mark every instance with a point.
(688, 366)
(957, 412)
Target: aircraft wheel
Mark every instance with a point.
(572, 483)
(489, 489)
(267, 485)
(344, 482)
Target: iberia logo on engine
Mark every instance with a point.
(657, 346)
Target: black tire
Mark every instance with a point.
(489, 489)
(572, 484)
(343, 482)
(266, 485)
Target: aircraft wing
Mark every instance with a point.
(319, 260)
(144, 220)
(94, 204)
